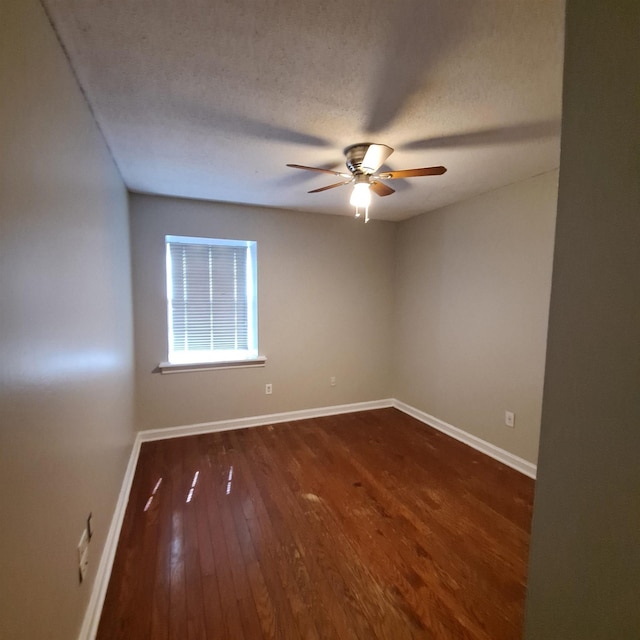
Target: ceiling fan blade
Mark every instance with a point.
(374, 157)
(331, 171)
(381, 189)
(413, 173)
(331, 186)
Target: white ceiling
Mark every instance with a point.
(211, 98)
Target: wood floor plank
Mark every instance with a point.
(177, 580)
(382, 535)
(424, 610)
(160, 498)
(211, 604)
(289, 577)
(274, 598)
(457, 522)
(313, 544)
(364, 525)
(325, 515)
(136, 569)
(192, 556)
(253, 599)
(238, 569)
(231, 618)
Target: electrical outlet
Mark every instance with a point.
(332, 381)
(510, 419)
(83, 556)
(268, 389)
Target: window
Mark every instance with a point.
(211, 300)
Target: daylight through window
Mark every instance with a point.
(211, 300)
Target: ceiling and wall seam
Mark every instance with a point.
(74, 72)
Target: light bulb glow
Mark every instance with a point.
(361, 196)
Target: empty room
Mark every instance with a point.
(319, 320)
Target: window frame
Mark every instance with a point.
(208, 359)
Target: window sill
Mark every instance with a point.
(168, 367)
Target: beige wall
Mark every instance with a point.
(65, 332)
(325, 299)
(472, 298)
(584, 578)
(446, 311)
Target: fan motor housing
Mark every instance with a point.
(355, 155)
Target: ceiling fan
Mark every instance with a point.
(363, 160)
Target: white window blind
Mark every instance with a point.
(211, 299)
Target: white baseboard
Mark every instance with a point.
(91, 619)
(510, 459)
(99, 591)
(257, 421)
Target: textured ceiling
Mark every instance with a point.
(211, 98)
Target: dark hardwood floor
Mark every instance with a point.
(364, 525)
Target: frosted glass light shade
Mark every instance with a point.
(361, 196)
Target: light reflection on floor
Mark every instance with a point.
(193, 486)
(153, 494)
(229, 479)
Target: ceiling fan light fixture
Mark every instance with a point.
(360, 196)
(363, 161)
(361, 199)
